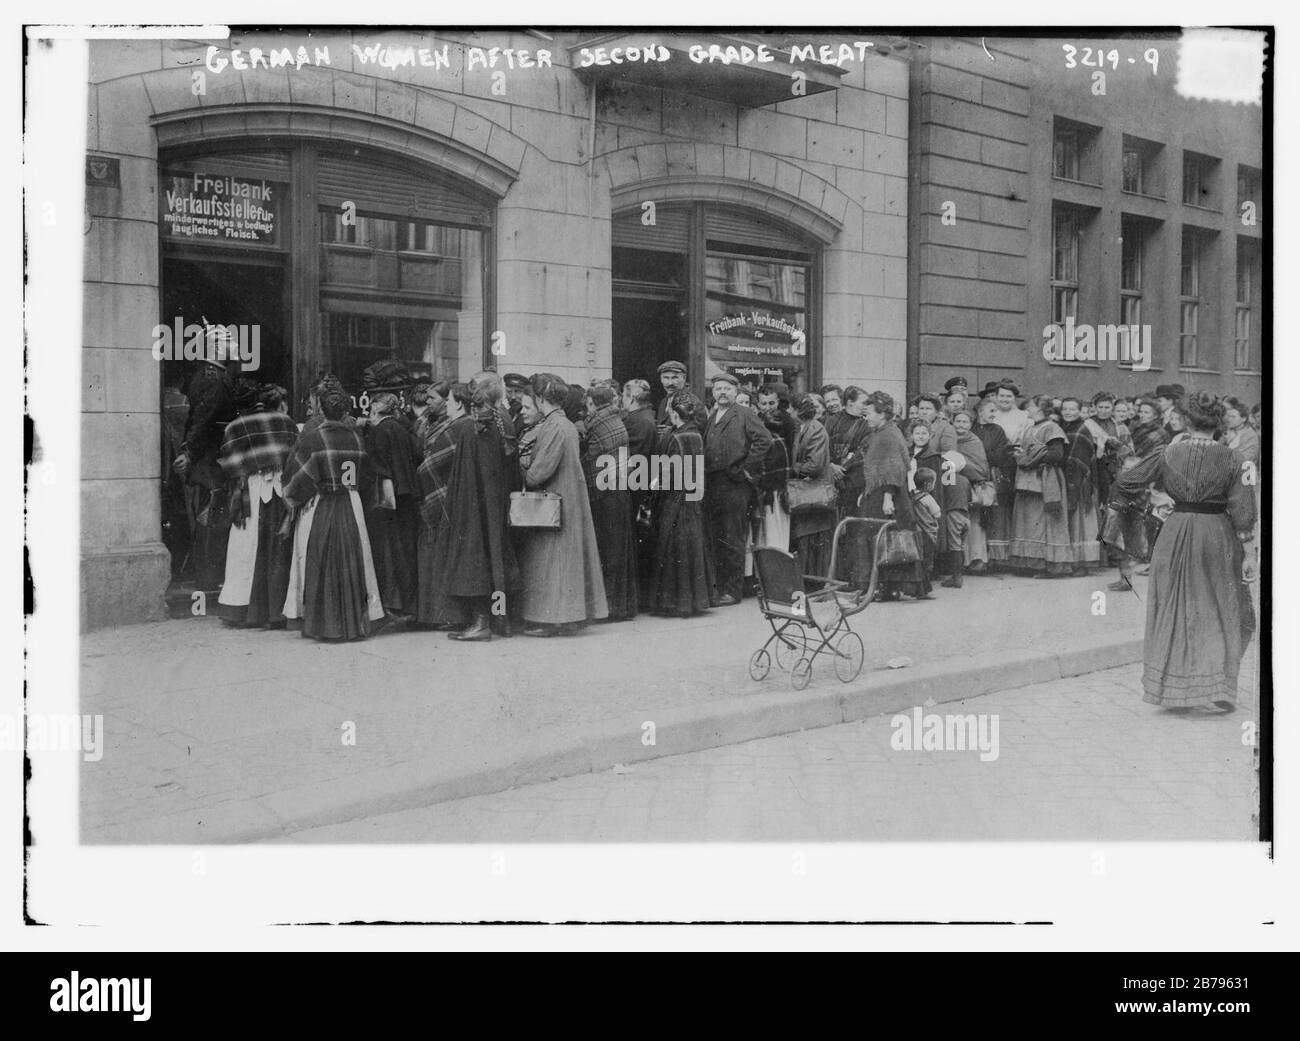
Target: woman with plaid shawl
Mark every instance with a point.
(332, 585)
(434, 609)
(253, 452)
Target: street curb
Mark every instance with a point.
(768, 712)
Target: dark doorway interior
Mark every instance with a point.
(251, 295)
(648, 332)
(232, 294)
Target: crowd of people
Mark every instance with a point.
(402, 516)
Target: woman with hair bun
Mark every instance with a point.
(1199, 613)
(885, 496)
(611, 502)
(473, 561)
(681, 575)
(562, 584)
(332, 584)
(1040, 538)
(392, 516)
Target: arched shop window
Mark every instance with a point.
(348, 258)
(719, 288)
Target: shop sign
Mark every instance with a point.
(213, 207)
(758, 333)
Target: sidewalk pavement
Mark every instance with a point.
(222, 735)
(1082, 759)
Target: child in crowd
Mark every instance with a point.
(927, 512)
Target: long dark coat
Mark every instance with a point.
(472, 555)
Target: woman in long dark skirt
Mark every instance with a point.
(681, 578)
(332, 585)
(810, 458)
(884, 497)
(434, 609)
(254, 449)
(611, 502)
(473, 560)
(392, 515)
(1200, 618)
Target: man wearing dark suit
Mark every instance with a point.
(735, 442)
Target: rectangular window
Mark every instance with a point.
(1130, 278)
(1075, 152)
(1132, 171)
(393, 288)
(1246, 275)
(1200, 177)
(756, 314)
(1066, 233)
(1142, 164)
(1190, 294)
(1065, 154)
(1248, 195)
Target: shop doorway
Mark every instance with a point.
(647, 333)
(252, 296)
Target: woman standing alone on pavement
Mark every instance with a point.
(1199, 612)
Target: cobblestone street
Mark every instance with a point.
(1083, 759)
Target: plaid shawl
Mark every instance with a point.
(606, 434)
(885, 459)
(318, 465)
(1147, 437)
(257, 442)
(1080, 465)
(434, 472)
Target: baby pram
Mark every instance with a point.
(806, 624)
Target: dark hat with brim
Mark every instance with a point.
(956, 381)
(725, 377)
(672, 366)
(390, 376)
(515, 381)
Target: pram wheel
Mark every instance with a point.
(760, 664)
(849, 656)
(801, 674)
(790, 647)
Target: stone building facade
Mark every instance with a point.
(461, 201)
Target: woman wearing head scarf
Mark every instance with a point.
(562, 584)
(254, 448)
(1200, 618)
(473, 561)
(885, 496)
(811, 528)
(681, 579)
(604, 464)
(332, 584)
(1040, 540)
(392, 515)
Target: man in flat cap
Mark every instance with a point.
(672, 377)
(955, 381)
(735, 442)
(515, 384)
